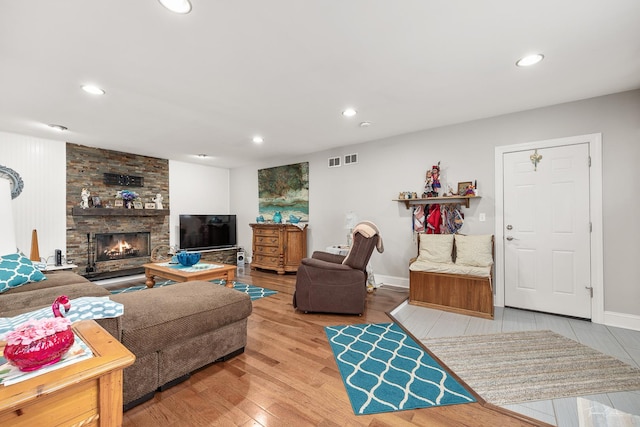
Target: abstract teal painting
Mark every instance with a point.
(284, 189)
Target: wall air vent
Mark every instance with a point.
(334, 162)
(350, 159)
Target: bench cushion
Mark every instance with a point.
(436, 247)
(476, 251)
(449, 268)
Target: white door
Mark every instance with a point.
(546, 236)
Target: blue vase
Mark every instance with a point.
(277, 217)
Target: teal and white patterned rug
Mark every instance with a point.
(255, 292)
(384, 370)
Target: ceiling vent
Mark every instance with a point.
(334, 162)
(351, 159)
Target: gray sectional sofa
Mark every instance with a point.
(171, 330)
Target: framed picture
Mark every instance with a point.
(97, 203)
(462, 187)
(137, 204)
(284, 189)
(118, 203)
(149, 205)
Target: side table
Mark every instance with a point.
(87, 393)
(52, 267)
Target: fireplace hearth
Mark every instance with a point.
(117, 246)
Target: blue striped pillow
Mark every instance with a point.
(17, 270)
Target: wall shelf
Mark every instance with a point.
(78, 211)
(463, 200)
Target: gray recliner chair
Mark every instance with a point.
(332, 283)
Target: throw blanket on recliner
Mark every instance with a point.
(368, 229)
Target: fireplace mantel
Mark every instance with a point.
(78, 211)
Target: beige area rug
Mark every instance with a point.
(535, 365)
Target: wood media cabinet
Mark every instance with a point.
(278, 247)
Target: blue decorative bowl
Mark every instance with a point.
(294, 219)
(188, 258)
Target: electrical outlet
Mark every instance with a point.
(482, 217)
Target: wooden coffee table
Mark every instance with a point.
(224, 271)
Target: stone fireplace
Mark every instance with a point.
(87, 229)
(115, 246)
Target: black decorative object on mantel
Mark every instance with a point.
(125, 180)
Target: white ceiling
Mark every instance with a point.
(207, 82)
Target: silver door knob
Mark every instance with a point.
(509, 238)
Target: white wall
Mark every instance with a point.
(42, 164)
(196, 189)
(466, 152)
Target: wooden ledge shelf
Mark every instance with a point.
(463, 200)
(78, 211)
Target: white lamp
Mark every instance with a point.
(7, 232)
(350, 222)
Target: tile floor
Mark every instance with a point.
(623, 344)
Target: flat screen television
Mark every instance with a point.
(200, 232)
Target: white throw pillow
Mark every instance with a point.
(436, 247)
(476, 251)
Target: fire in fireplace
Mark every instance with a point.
(113, 246)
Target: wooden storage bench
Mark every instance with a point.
(436, 281)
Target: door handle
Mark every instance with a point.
(509, 238)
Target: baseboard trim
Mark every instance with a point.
(622, 320)
(402, 282)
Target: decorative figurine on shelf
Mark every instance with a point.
(435, 174)
(84, 204)
(158, 201)
(277, 217)
(469, 191)
(428, 185)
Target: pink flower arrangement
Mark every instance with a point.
(33, 330)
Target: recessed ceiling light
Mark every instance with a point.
(177, 6)
(92, 89)
(530, 60)
(365, 124)
(349, 112)
(59, 128)
(258, 139)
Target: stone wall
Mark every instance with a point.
(86, 167)
(223, 256)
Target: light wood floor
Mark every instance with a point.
(287, 376)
